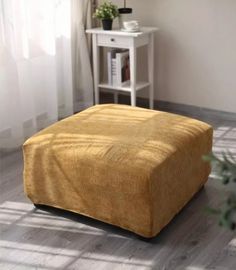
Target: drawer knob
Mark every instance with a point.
(112, 39)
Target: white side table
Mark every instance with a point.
(124, 40)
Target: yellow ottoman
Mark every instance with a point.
(131, 167)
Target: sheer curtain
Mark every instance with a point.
(36, 81)
(81, 19)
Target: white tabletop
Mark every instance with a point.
(118, 32)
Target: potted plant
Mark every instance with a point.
(106, 13)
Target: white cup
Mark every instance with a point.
(130, 25)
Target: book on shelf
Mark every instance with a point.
(114, 71)
(118, 66)
(110, 55)
(123, 68)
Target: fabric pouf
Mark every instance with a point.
(131, 167)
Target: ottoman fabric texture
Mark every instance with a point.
(127, 166)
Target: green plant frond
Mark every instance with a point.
(212, 211)
(226, 172)
(228, 160)
(230, 155)
(211, 157)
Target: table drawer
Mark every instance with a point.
(114, 41)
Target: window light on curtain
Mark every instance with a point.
(37, 61)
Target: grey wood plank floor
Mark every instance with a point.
(49, 239)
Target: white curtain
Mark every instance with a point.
(36, 81)
(82, 80)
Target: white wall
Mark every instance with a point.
(195, 50)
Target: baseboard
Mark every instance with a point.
(107, 97)
(195, 110)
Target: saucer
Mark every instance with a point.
(131, 31)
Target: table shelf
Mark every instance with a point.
(126, 88)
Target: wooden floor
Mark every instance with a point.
(37, 239)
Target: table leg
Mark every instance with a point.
(116, 97)
(151, 70)
(96, 68)
(133, 75)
